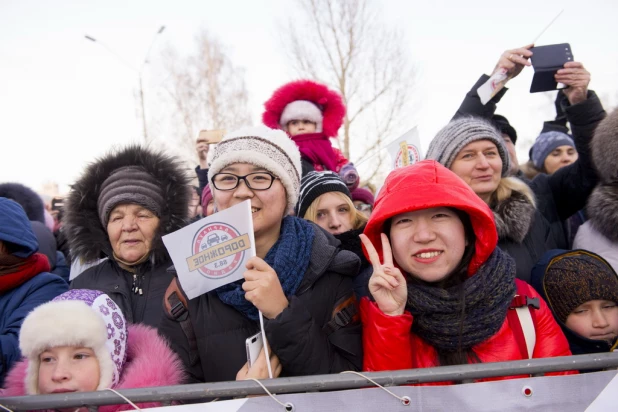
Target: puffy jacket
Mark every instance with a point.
(19, 296)
(150, 363)
(296, 335)
(388, 342)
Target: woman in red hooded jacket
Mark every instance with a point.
(441, 287)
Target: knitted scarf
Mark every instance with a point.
(15, 271)
(289, 257)
(317, 148)
(438, 315)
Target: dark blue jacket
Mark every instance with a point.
(16, 303)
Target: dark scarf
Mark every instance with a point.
(289, 257)
(350, 240)
(15, 271)
(317, 148)
(438, 315)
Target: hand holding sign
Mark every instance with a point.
(263, 288)
(387, 285)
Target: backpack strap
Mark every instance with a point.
(175, 304)
(345, 313)
(522, 320)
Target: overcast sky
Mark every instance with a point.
(65, 100)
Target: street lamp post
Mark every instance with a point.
(139, 73)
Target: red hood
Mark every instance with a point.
(425, 185)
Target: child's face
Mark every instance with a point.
(595, 319)
(300, 127)
(68, 369)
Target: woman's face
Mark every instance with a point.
(333, 213)
(428, 244)
(131, 229)
(560, 157)
(480, 166)
(268, 206)
(65, 369)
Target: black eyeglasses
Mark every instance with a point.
(254, 181)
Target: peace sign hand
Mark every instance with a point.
(387, 285)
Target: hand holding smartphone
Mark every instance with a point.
(547, 60)
(254, 345)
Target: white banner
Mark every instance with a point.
(212, 251)
(573, 393)
(406, 150)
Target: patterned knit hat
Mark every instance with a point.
(315, 184)
(576, 277)
(262, 147)
(457, 134)
(79, 317)
(129, 184)
(545, 144)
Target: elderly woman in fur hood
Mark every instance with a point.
(118, 211)
(600, 233)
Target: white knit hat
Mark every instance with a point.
(262, 147)
(302, 110)
(79, 317)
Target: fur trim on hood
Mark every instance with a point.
(88, 238)
(27, 198)
(513, 217)
(602, 209)
(150, 363)
(328, 101)
(605, 148)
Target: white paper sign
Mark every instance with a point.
(212, 251)
(406, 150)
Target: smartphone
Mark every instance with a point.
(57, 203)
(254, 345)
(211, 136)
(546, 61)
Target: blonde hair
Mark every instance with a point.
(358, 218)
(507, 186)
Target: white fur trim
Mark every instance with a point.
(64, 323)
(302, 110)
(262, 147)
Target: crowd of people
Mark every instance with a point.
(468, 256)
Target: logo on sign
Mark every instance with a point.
(218, 249)
(409, 157)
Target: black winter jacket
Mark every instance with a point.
(117, 283)
(559, 195)
(295, 336)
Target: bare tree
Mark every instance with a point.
(203, 90)
(343, 44)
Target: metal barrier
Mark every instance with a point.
(333, 382)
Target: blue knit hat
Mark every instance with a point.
(545, 144)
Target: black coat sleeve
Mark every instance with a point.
(202, 177)
(571, 185)
(472, 106)
(303, 348)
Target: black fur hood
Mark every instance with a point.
(86, 235)
(513, 217)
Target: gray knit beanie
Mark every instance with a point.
(458, 133)
(129, 185)
(545, 144)
(262, 147)
(315, 184)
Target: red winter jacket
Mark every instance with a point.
(388, 342)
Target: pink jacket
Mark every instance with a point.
(150, 362)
